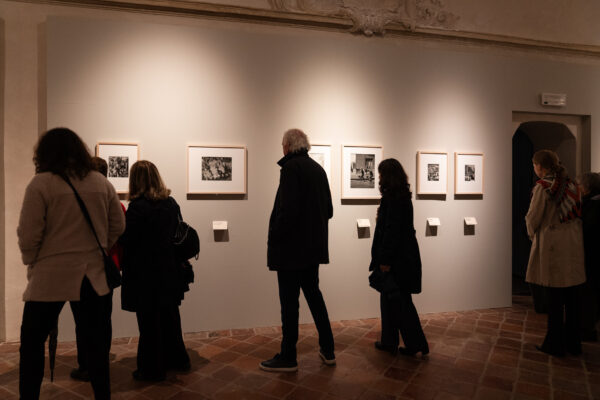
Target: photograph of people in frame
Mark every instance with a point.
(362, 171)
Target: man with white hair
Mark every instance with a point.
(297, 244)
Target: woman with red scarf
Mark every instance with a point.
(557, 259)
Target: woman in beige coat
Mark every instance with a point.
(63, 260)
(557, 259)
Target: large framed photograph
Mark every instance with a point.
(468, 173)
(432, 172)
(321, 153)
(360, 179)
(216, 170)
(119, 157)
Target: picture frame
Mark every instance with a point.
(216, 169)
(321, 153)
(119, 156)
(360, 179)
(468, 173)
(432, 173)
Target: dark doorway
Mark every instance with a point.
(529, 138)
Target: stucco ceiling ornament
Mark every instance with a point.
(373, 16)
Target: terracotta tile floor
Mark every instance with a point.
(483, 354)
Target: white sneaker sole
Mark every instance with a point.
(269, 369)
(326, 361)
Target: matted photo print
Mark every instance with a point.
(216, 170)
(119, 157)
(468, 173)
(432, 172)
(360, 179)
(321, 153)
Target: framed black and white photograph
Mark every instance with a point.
(119, 157)
(216, 170)
(321, 153)
(432, 172)
(468, 173)
(360, 179)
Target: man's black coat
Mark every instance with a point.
(591, 237)
(395, 243)
(298, 232)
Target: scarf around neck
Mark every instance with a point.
(565, 194)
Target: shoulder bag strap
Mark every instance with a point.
(85, 212)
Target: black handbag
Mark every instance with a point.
(384, 283)
(186, 241)
(113, 276)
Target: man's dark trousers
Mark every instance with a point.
(290, 283)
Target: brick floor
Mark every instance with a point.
(481, 354)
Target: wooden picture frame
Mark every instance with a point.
(119, 156)
(432, 173)
(321, 153)
(360, 179)
(216, 169)
(468, 173)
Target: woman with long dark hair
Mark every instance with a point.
(151, 283)
(63, 258)
(556, 260)
(395, 251)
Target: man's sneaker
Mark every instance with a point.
(80, 375)
(278, 364)
(328, 358)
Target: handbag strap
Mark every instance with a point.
(85, 212)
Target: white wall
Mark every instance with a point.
(166, 82)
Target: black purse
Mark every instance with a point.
(113, 276)
(384, 283)
(186, 241)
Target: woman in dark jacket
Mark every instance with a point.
(590, 214)
(395, 251)
(151, 280)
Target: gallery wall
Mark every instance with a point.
(167, 82)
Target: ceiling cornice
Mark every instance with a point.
(279, 14)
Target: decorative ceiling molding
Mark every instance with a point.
(373, 16)
(419, 19)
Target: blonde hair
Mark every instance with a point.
(145, 181)
(296, 140)
(548, 159)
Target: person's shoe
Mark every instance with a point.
(393, 350)
(139, 376)
(278, 364)
(412, 352)
(550, 352)
(328, 358)
(80, 375)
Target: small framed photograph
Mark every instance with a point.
(360, 179)
(216, 170)
(432, 172)
(468, 173)
(321, 153)
(119, 157)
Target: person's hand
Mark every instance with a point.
(385, 268)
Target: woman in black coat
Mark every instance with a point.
(395, 251)
(151, 281)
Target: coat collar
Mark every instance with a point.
(289, 156)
